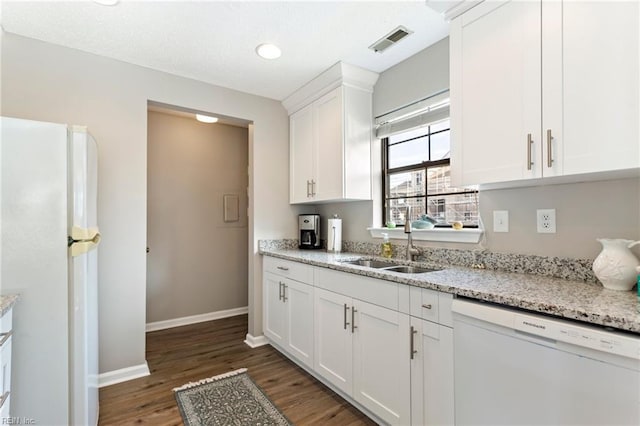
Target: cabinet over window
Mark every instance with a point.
(542, 89)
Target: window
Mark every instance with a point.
(416, 172)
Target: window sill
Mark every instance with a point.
(469, 235)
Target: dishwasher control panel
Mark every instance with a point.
(587, 337)
(557, 330)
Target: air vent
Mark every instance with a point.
(390, 39)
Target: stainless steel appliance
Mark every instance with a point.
(309, 231)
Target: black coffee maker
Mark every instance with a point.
(309, 231)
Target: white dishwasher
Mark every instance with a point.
(518, 368)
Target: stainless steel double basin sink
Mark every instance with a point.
(390, 266)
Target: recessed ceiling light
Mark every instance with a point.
(268, 51)
(107, 2)
(206, 118)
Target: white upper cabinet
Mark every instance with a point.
(330, 132)
(541, 89)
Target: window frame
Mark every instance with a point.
(422, 166)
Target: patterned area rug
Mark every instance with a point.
(228, 399)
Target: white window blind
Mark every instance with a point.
(418, 114)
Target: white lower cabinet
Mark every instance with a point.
(363, 350)
(288, 316)
(432, 374)
(385, 346)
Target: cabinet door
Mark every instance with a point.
(591, 88)
(381, 362)
(329, 155)
(300, 155)
(496, 93)
(333, 346)
(299, 302)
(432, 397)
(274, 309)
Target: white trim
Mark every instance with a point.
(339, 73)
(254, 342)
(469, 235)
(123, 375)
(194, 319)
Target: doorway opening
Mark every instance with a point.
(197, 222)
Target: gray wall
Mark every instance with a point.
(415, 78)
(585, 211)
(41, 81)
(197, 263)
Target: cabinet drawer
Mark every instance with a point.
(286, 268)
(425, 304)
(372, 290)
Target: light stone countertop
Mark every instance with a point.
(7, 302)
(586, 302)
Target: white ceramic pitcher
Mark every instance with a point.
(616, 265)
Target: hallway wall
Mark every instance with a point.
(197, 262)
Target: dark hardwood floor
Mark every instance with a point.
(184, 354)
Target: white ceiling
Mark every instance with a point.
(214, 41)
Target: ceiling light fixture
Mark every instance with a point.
(107, 2)
(206, 118)
(268, 51)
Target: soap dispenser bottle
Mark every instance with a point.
(386, 246)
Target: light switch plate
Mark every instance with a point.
(501, 221)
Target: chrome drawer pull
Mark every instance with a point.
(282, 268)
(549, 155)
(353, 319)
(426, 306)
(345, 316)
(529, 143)
(412, 350)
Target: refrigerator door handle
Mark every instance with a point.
(83, 240)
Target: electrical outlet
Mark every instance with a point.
(546, 221)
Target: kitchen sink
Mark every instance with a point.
(410, 269)
(376, 264)
(390, 266)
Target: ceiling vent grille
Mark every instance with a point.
(390, 39)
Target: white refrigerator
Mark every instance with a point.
(49, 235)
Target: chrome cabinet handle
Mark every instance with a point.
(282, 268)
(279, 290)
(412, 350)
(426, 306)
(4, 337)
(346, 308)
(308, 192)
(529, 143)
(549, 156)
(353, 319)
(284, 292)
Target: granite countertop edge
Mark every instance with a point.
(7, 301)
(575, 300)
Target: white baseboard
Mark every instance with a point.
(194, 319)
(254, 342)
(123, 375)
